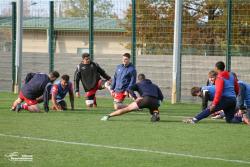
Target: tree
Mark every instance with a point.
(209, 26)
(211, 17)
(204, 26)
(80, 8)
(154, 23)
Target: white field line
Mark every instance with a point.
(128, 149)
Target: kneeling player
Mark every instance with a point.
(34, 87)
(206, 93)
(225, 96)
(90, 74)
(151, 96)
(58, 92)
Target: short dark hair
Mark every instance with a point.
(65, 77)
(195, 90)
(141, 77)
(220, 65)
(55, 74)
(85, 55)
(126, 55)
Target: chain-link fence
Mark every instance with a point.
(204, 37)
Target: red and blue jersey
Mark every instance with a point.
(226, 85)
(59, 92)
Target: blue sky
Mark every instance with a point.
(40, 7)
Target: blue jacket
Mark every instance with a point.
(146, 88)
(125, 77)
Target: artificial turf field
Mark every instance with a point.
(79, 138)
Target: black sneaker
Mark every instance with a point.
(155, 117)
(18, 108)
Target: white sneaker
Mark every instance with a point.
(188, 121)
(105, 118)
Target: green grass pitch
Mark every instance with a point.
(79, 139)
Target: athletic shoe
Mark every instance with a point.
(155, 117)
(18, 108)
(188, 121)
(105, 118)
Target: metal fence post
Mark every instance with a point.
(19, 42)
(133, 51)
(13, 44)
(51, 36)
(176, 85)
(229, 35)
(91, 29)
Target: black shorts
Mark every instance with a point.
(148, 102)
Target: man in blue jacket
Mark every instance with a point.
(150, 97)
(125, 77)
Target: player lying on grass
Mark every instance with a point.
(56, 92)
(124, 77)
(150, 97)
(33, 88)
(225, 96)
(90, 74)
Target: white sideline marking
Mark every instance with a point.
(128, 149)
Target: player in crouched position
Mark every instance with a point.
(150, 97)
(225, 96)
(57, 92)
(90, 74)
(34, 87)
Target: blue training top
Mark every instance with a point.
(228, 90)
(59, 91)
(211, 90)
